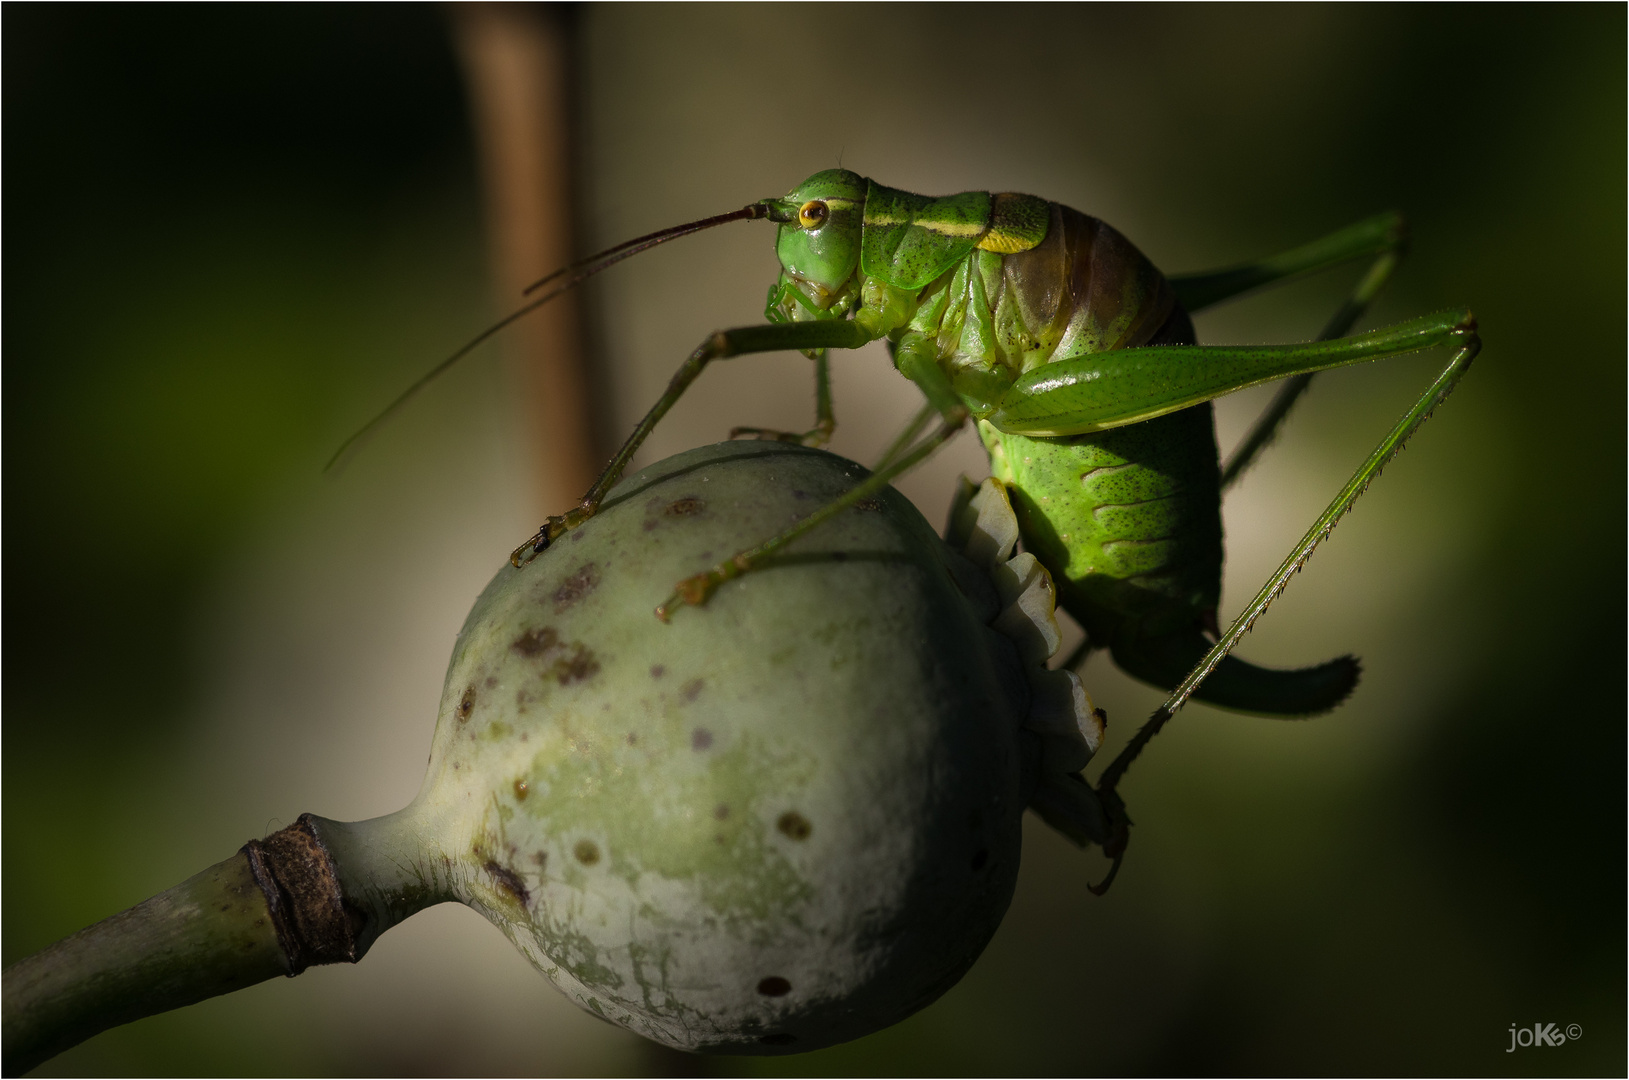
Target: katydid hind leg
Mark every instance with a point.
(1375, 236)
(1099, 390)
(1267, 425)
(1468, 344)
(722, 345)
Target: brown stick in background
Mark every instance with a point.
(515, 64)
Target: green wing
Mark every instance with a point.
(908, 240)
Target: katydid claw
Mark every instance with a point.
(551, 530)
(1119, 837)
(696, 590)
(531, 549)
(692, 591)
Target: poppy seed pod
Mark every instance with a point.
(786, 818)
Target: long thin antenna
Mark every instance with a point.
(629, 248)
(574, 274)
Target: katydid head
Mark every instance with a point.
(819, 241)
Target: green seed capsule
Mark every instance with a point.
(786, 819)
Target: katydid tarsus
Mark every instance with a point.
(1077, 360)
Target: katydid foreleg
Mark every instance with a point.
(825, 416)
(907, 435)
(720, 346)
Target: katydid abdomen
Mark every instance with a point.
(1127, 519)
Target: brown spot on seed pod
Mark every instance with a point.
(536, 642)
(794, 825)
(571, 663)
(575, 587)
(587, 852)
(701, 739)
(687, 505)
(508, 881)
(491, 682)
(632, 738)
(522, 789)
(721, 811)
(466, 704)
(541, 858)
(691, 690)
(657, 671)
(774, 986)
(1102, 716)
(576, 666)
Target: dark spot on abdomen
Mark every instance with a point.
(774, 986)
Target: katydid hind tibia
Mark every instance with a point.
(1076, 359)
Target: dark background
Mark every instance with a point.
(232, 232)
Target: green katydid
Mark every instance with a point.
(1076, 359)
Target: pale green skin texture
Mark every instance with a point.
(660, 880)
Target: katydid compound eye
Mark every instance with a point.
(813, 214)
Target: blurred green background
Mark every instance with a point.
(234, 231)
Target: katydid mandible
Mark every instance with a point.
(1077, 361)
